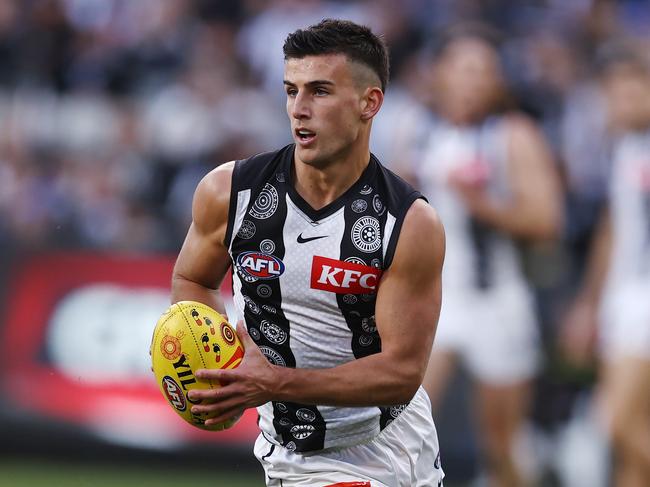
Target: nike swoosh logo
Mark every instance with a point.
(308, 239)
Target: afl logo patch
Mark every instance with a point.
(252, 266)
(365, 234)
(174, 393)
(266, 203)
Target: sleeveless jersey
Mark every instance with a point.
(477, 256)
(630, 212)
(305, 282)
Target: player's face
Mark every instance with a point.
(324, 106)
(469, 78)
(628, 99)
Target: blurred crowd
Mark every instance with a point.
(112, 110)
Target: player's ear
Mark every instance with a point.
(371, 102)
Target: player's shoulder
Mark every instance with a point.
(259, 168)
(424, 220)
(422, 239)
(212, 196)
(217, 182)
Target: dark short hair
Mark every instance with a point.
(332, 36)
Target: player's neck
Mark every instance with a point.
(320, 185)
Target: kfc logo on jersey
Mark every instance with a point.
(343, 277)
(258, 265)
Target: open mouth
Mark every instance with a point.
(305, 136)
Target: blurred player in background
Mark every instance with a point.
(336, 271)
(490, 174)
(616, 288)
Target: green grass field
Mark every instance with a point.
(37, 473)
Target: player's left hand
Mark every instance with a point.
(246, 386)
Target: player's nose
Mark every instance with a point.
(300, 107)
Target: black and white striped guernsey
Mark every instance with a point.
(305, 282)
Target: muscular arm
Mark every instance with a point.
(535, 207)
(408, 305)
(203, 260)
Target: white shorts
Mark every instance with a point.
(625, 321)
(404, 454)
(494, 333)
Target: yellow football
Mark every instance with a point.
(191, 336)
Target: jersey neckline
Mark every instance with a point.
(315, 215)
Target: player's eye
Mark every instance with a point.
(321, 92)
(292, 92)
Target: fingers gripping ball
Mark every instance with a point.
(191, 336)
